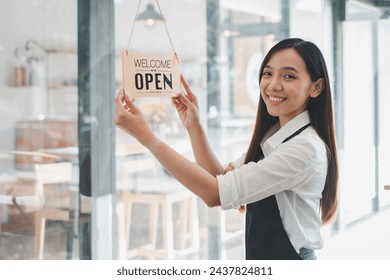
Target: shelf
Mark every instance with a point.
(61, 51)
(71, 86)
(26, 88)
(51, 87)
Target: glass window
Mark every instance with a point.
(38, 169)
(222, 68)
(365, 132)
(221, 44)
(383, 71)
(359, 109)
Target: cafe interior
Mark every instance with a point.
(75, 187)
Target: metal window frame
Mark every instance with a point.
(96, 130)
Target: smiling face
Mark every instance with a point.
(286, 86)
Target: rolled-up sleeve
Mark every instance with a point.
(239, 162)
(287, 167)
(228, 193)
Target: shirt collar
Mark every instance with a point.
(285, 131)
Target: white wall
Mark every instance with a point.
(306, 20)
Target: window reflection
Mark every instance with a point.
(38, 177)
(156, 217)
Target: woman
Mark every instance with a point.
(288, 177)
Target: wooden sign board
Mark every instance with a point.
(150, 75)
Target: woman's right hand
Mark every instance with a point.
(129, 118)
(187, 106)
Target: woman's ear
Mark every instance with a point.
(317, 88)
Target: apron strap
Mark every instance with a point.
(297, 132)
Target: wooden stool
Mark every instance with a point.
(188, 222)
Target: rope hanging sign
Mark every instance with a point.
(150, 74)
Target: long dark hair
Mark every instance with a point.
(321, 117)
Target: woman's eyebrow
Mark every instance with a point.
(290, 68)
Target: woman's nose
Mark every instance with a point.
(275, 84)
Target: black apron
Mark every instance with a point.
(265, 237)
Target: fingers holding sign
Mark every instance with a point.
(122, 102)
(129, 117)
(188, 94)
(187, 106)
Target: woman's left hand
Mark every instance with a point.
(129, 118)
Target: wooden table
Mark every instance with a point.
(11, 186)
(18, 183)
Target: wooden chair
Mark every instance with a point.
(53, 173)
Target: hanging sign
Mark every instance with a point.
(150, 75)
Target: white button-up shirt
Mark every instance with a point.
(294, 171)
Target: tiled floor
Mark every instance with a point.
(20, 245)
(366, 240)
